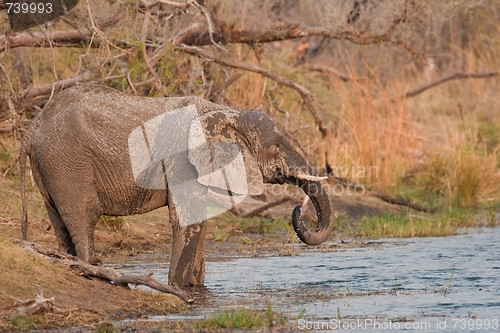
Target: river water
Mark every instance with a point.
(449, 281)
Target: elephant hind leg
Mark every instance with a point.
(80, 215)
(81, 228)
(62, 234)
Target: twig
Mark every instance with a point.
(4, 148)
(454, 76)
(103, 272)
(304, 93)
(7, 129)
(204, 11)
(144, 31)
(150, 4)
(9, 168)
(332, 71)
(262, 208)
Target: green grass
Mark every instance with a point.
(410, 225)
(23, 322)
(227, 223)
(244, 318)
(105, 327)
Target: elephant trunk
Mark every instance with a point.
(321, 203)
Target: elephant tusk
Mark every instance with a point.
(303, 176)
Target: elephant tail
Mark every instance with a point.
(24, 152)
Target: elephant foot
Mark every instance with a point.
(187, 266)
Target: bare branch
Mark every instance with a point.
(304, 93)
(204, 11)
(69, 38)
(231, 35)
(454, 76)
(332, 71)
(262, 208)
(150, 4)
(58, 85)
(103, 272)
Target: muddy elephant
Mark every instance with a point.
(90, 156)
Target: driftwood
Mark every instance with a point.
(105, 273)
(39, 304)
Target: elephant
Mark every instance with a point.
(82, 160)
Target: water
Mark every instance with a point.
(437, 279)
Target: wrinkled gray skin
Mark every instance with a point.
(79, 158)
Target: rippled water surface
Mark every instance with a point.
(404, 279)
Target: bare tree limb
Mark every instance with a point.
(262, 208)
(454, 76)
(304, 93)
(75, 38)
(231, 35)
(196, 36)
(66, 38)
(58, 85)
(150, 4)
(332, 71)
(7, 129)
(103, 272)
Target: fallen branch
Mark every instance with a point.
(262, 208)
(103, 272)
(304, 93)
(39, 304)
(454, 76)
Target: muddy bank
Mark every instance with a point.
(78, 301)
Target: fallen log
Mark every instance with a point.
(105, 273)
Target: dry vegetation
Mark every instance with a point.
(343, 87)
(348, 76)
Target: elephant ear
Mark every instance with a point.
(221, 157)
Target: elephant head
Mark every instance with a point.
(268, 157)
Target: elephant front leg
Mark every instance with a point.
(187, 265)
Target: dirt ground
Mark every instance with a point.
(81, 301)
